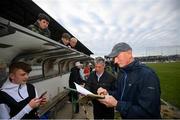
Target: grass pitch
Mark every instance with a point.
(169, 75)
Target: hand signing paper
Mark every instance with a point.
(102, 91)
(109, 101)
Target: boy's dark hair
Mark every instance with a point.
(66, 36)
(20, 65)
(43, 16)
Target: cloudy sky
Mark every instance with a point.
(151, 27)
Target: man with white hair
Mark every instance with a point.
(73, 42)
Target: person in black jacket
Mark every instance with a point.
(137, 93)
(75, 77)
(96, 79)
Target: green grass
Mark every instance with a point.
(169, 75)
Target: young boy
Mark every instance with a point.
(41, 25)
(18, 99)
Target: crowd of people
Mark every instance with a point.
(19, 99)
(41, 27)
(135, 92)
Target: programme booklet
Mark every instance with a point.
(87, 93)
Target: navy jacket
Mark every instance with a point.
(137, 92)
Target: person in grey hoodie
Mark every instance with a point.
(19, 99)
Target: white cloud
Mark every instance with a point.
(146, 25)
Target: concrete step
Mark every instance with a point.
(65, 113)
(85, 112)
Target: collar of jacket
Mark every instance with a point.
(133, 65)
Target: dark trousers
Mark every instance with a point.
(73, 97)
(100, 111)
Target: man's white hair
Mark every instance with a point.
(77, 64)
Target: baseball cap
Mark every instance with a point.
(120, 47)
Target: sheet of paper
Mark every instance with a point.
(82, 90)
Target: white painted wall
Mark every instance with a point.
(53, 86)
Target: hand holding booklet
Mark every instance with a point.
(87, 93)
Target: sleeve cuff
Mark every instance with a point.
(27, 108)
(123, 106)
